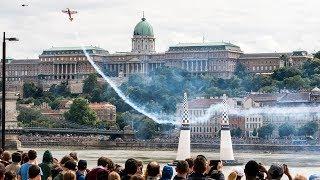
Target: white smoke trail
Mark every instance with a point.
(156, 117)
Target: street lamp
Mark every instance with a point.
(3, 109)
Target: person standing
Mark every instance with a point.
(23, 173)
(46, 165)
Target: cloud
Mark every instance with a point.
(256, 26)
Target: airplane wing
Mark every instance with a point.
(64, 11)
(73, 12)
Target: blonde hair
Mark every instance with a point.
(232, 176)
(69, 175)
(114, 176)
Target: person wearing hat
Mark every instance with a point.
(82, 170)
(167, 173)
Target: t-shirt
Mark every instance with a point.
(24, 171)
(13, 167)
(80, 175)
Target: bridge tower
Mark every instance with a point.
(226, 151)
(184, 138)
(12, 141)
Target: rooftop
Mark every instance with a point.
(75, 48)
(203, 103)
(24, 61)
(204, 44)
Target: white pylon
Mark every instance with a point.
(184, 138)
(226, 150)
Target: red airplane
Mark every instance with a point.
(69, 12)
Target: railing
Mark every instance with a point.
(68, 131)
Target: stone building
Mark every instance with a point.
(205, 116)
(105, 112)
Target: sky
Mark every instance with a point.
(254, 25)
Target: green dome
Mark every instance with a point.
(143, 28)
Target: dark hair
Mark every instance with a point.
(190, 162)
(131, 166)
(71, 165)
(24, 158)
(202, 156)
(2, 170)
(153, 169)
(9, 175)
(82, 164)
(34, 171)
(32, 154)
(102, 175)
(199, 165)
(182, 167)
(106, 162)
(65, 159)
(251, 168)
(214, 164)
(16, 157)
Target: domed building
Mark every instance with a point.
(143, 40)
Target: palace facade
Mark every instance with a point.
(70, 64)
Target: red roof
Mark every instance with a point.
(203, 103)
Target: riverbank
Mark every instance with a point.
(111, 145)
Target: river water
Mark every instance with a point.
(305, 163)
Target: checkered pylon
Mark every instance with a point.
(185, 115)
(225, 118)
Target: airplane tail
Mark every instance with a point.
(71, 19)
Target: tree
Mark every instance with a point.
(311, 67)
(61, 89)
(122, 119)
(317, 55)
(55, 104)
(265, 131)
(296, 83)
(240, 70)
(90, 83)
(146, 128)
(236, 132)
(96, 95)
(34, 118)
(254, 133)
(308, 129)
(31, 90)
(28, 115)
(80, 112)
(286, 130)
(285, 72)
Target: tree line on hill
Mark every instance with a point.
(163, 88)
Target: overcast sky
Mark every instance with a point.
(254, 25)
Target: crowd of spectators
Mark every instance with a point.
(89, 139)
(24, 166)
